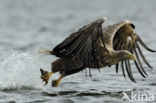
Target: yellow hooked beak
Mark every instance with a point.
(131, 57)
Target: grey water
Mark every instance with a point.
(29, 25)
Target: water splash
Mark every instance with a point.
(20, 71)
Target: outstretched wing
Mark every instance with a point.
(79, 44)
(132, 43)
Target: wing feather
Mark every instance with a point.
(144, 45)
(123, 70)
(130, 43)
(129, 72)
(80, 44)
(143, 57)
(139, 62)
(136, 64)
(117, 68)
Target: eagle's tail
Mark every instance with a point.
(45, 51)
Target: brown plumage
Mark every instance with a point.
(94, 47)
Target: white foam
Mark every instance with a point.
(20, 70)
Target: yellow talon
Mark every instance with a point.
(55, 83)
(45, 75)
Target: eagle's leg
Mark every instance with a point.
(56, 82)
(45, 75)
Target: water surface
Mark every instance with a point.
(26, 26)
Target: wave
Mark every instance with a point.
(20, 71)
(117, 94)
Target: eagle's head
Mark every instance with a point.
(124, 55)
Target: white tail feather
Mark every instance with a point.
(45, 51)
